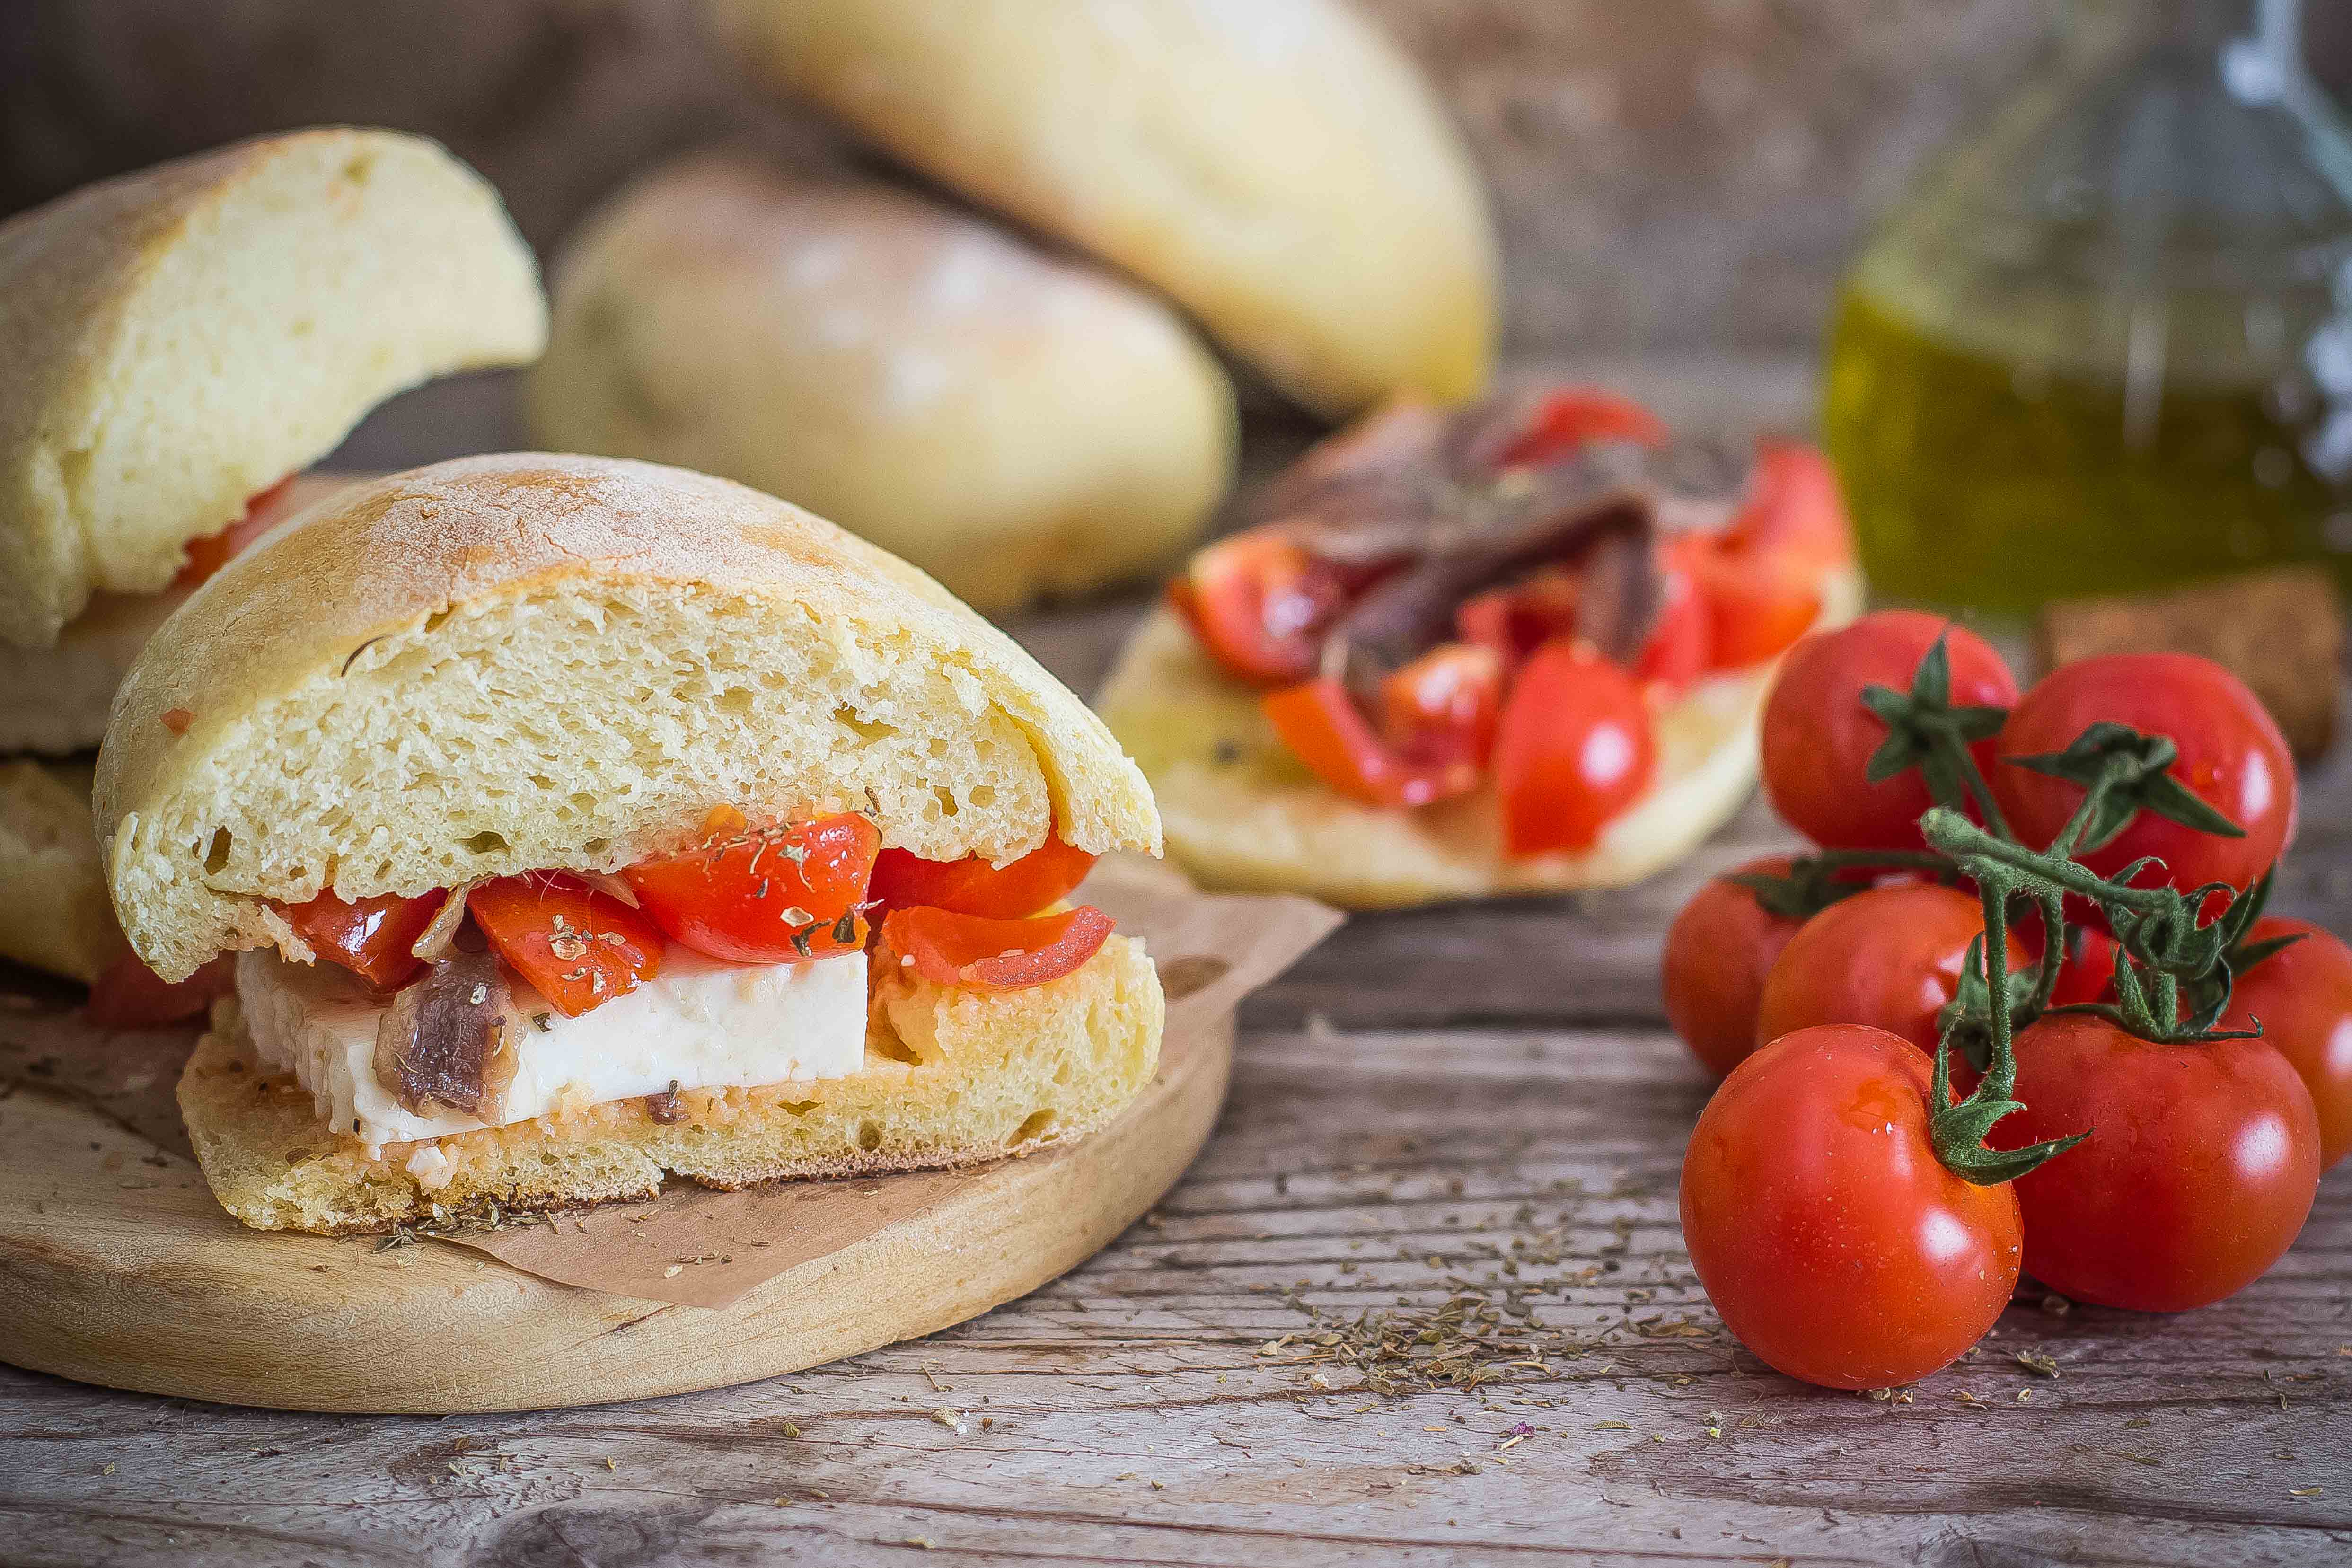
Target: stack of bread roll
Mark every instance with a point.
(1030, 411)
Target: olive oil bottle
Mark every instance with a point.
(2108, 344)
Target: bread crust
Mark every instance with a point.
(1242, 813)
(1278, 167)
(181, 338)
(950, 1078)
(217, 785)
(1012, 422)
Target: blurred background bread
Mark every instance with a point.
(1277, 167)
(1013, 423)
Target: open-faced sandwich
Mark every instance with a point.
(1516, 648)
(179, 342)
(579, 822)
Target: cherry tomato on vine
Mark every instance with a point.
(1717, 952)
(1890, 957)
(1818, 737)
(2201, 1163)
(2231, 757)
(1829, 1236)
(2303, 995)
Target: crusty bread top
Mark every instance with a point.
(180, 339)
(523, 661)
(1278, 166)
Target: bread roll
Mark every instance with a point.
(1014, 423)
(180, 339)
(1275, 167)
(53, 908)
(520, 662)
(1241, 812)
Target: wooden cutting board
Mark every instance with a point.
(116, 1267)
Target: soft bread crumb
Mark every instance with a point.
(993, 1075)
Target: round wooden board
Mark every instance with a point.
(116, 1267)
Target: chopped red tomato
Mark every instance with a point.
(578, 947)
(130, 995)
(1758, 606)
(967, 950)
(1325, 729)
(215, 551)
(370, 937)
(1575, 748)
(972, 886)
(1443, 706)
(1259, 603)
(770, 895)
(1683, 642)
(1573, 415)
(1794, 511)
(1519, 619)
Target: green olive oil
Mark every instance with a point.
(1998, 479)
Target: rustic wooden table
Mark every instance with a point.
(1423, 1299)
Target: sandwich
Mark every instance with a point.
(1518, 646)
(181, 344)
(580, 823)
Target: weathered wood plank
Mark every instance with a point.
(1532, 1169)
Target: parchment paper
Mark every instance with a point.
(705, 1249)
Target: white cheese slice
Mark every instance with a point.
(705, 1024)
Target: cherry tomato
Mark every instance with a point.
(1890, 957)
(979, 954)
(208, 555)
(371, 937)
(1572, 416)
(578, 947)
(1259, 603)
(130, 995)
(769, 895)
(2201, 1163)
(1818, 737)
(1681, 646)
(1443, 707)
(2303, 995)
(1516, 621)
(1717, 952)
(2231, 757)
(1794, 513)
(1829, 1236)
(1757, 607)
(1325, 729)
(972, 886)
(1575, 748)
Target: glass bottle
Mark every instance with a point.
(2108, 343)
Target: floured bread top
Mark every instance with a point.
(180, 339)
(526, 662)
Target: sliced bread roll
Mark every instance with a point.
(1012, 422)
(509, 663)
(183, 338)
(1275, 167)
(525, 664)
